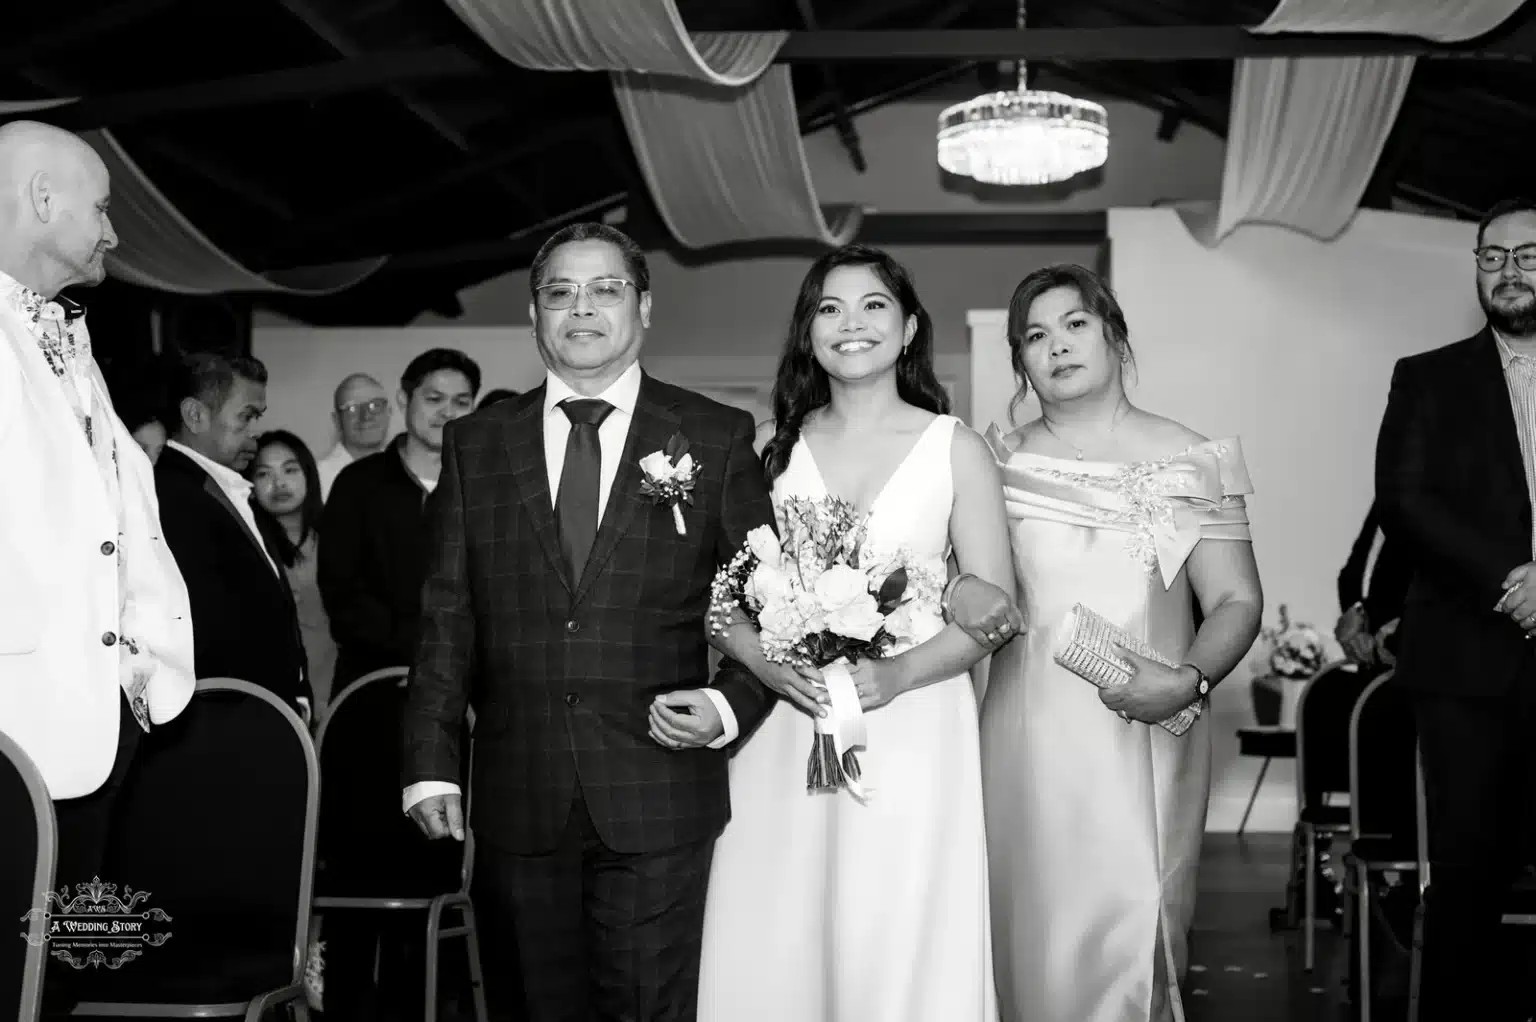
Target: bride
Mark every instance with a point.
(822, 908)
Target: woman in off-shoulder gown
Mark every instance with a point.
(1094, 812)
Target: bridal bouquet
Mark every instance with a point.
(819, 598)
(1296, 650)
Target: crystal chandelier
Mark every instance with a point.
(1023, 137)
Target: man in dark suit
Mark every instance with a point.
(568, 606)
(1367, 628)
(244, 620)
(1454, 478)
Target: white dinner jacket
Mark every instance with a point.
(62, 603)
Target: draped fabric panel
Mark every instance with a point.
(12, 107)
(159, 248)
(715, 129)
(1306, 133)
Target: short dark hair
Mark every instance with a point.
(208, 376)
(1519, 204)
(436, 360)
(634, 255)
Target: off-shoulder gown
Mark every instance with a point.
(1094, 823)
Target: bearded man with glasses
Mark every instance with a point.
(1455, 478)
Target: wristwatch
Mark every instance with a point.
(1204, 687)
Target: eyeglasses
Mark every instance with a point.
(602, 293)
(1492, 258)
(359, 409)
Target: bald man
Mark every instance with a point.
(361, 411)
(95, 627)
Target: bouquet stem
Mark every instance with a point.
(834, 762)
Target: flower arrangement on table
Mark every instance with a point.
(820, 598)
(1295, 649)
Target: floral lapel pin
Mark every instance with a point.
(669, 478)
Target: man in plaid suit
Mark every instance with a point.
(567, 604)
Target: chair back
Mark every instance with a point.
(1383, 748)
(27, 856)
(1322, 731)
(368, 847)
(219, 828)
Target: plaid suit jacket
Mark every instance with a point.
(562, 671)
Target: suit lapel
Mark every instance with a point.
(1489, 391)
(268, 558)
(525, 444)
(649, 430)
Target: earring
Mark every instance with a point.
(1125, 357)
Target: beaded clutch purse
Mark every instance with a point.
(1083, 646)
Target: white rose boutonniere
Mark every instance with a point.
(669, 478)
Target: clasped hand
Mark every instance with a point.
(1519, 599)
(1154, 693)
(685, 720)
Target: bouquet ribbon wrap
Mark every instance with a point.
(833, 763)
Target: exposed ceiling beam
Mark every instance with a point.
(316, 81)
(1131, 43)
(847, 134)
(983, 228)
(339, 40)
(74, 29)
(221, 176)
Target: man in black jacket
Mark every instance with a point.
(244, 621)
(1455, 470)
(373, 554)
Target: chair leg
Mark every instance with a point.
(1416, 963)
(1309, 901)
(476, 977)
(1363, 985)
(1253, 796)
(434, 942)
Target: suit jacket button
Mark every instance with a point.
(108, 639)
(572, 627)
(571, 699)
(108, 548)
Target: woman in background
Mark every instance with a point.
(286, 485)
(1094, 813)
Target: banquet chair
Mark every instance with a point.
(27, 857)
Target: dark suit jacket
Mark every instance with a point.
(562, 671)
(1450, 483)
(1387, 591)
(244, 621)
(372, 563)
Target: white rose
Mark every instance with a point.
(840, 585)
(764, 544)
(656, 466)
(913, 621)
(857, 619)
(767, 584)
(684, 465)
(781, 621)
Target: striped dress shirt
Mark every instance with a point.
(1520, 377)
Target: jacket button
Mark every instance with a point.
(108, 639)
(108, 548)
(571, 699)
(572, 627)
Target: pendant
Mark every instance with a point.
(1079, 455)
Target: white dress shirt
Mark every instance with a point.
(237, 489)
(621, 394)
(330, 466)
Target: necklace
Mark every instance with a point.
(1114, 424)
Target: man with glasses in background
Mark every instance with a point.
(1455, 475)
(360, 409)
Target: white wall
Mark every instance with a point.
(304, 365)
(1288, 343)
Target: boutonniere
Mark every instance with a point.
(669, 478)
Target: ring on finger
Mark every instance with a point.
(1005, 627)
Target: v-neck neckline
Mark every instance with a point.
(864, 513)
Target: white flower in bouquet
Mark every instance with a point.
(769, 584)
(765, 546)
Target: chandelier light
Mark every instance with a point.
(1023, 137)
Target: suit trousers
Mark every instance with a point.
(85, 832)
(598, 934)
(1480, 787)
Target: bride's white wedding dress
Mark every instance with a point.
(822, 909)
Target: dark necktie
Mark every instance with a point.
(576, 503)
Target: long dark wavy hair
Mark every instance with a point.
(1097, 298)
(801, 384)
(309, 509)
